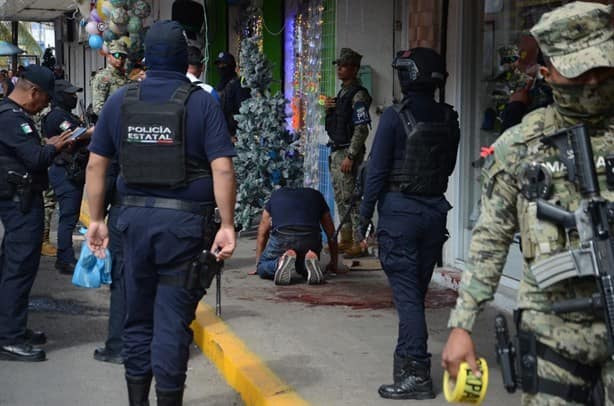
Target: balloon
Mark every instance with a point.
(141, 9)
(117, 28)
(119, 16)
(95, 41)
(94, 16)
(104, 9)
(109, 36)
(118, 3)
(105, 49)
(91, 27)
(134, 25)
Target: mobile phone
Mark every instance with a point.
(77, 133)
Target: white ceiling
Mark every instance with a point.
(34, 10)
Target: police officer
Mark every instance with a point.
(67, 173)
(176, 163)
(111, 78)
(230, 90)
(23, 176)
(347, 124)
(413, 154)
(562, 353)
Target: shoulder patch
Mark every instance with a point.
(360, 113)
(26, 129)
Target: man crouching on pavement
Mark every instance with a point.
(289, 236)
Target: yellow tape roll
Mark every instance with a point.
(468, 388)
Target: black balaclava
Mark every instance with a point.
(166, 47)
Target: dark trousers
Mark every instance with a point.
(21, 250)
(157, 331)
(410, 236)
(279, 242)
(69, 198)
(117, 307)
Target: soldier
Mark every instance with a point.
(570, 349)
(111, 78)
(347, 124)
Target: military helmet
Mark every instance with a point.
(420, 68)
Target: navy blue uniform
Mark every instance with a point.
(23, 236)
(162, 241)
(411, 229)
(67, 192)
(232, 94)
(296, 214)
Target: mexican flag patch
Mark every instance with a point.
(25, 127)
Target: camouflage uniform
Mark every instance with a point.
(344, 184)
(108, 80)
(49, 200)
(582, 28)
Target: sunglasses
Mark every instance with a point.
(118, 55)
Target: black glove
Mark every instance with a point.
(363, 226)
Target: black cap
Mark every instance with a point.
(65, 86)
(225, 58)
(41, 77)
(195, 57)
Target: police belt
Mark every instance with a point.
(336, 147)
(200, 208)
(391, 187)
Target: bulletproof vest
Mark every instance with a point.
(339, 122)
(430, 154)
(153, 141)
(8, 163)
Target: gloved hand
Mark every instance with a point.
(363, 226)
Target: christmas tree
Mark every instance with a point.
(268, 155)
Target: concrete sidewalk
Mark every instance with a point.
(330, 344)
(75, 321)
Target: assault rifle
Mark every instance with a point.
(85, 117)
(595, 255)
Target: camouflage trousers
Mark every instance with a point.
(584, 342)
(49, 203)
(344, 185)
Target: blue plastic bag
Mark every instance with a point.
(90, 271)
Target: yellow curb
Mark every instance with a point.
(242, 369)
(84, 214)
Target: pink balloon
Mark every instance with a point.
(94, 16)
(91, 27)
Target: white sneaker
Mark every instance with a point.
(286, 265)
(314, 272)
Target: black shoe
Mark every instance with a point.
(35, 337)
(21, 352)
(412, 380)
(65, 268)
(103, 354)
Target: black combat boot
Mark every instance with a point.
(138, 390)
(169, 398)
(412, 380)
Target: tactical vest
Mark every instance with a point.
(153, 141)
(339, 122)
(430, 154)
